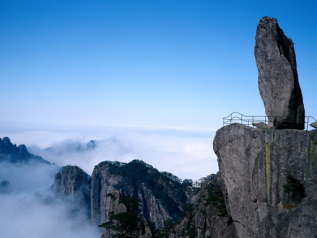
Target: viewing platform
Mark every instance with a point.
(262, 121)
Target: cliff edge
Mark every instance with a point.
(271, 180)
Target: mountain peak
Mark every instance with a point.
(91, 145)
(12, 153)
(6, 140)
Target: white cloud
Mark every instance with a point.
(31, 210)
(187, 154)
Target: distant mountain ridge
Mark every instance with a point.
(71, 147)
(13, 153)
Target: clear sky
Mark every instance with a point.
(150, 63)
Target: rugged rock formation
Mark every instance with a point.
(278, 78)
(125, 218)
(161, 197)
(136, 200)
(12, 153)
(271, 179)
(207, 216)
(73, 183)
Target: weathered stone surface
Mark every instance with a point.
(161, 198)
(260, 125)
(133, 223)
(208, 216)
(278, 77)
(73, 184)
(271, 179)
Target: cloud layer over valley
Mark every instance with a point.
(29, 208)
(25, 195)
(187, 154)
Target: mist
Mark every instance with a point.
(38, 213)
(187, 154)
(29, 208)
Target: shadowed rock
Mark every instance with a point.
(73, 184)
(161, 196)
(207, 215)
(278, 78)
(11, 153)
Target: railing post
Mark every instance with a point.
(250, 120)
(307, 123)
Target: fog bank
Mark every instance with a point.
(28, 207)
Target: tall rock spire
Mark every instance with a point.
(278, 78)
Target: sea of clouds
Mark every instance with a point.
(187, 154)
(30, 209)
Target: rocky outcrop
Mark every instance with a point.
(160, 197)
(207, 216)
(73, 184)
(271, 180)
(125, 218)
(11, 153)
(136, 200)
(278, 78)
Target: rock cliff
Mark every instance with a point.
(271, 180)
(136, 200)
(278, 77)
(73, 184)
(125, 218)
(207, 216)
(161, 198)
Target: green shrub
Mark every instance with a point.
(294, 189)
(126, 224)
(216, 199)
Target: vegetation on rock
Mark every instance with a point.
(126, 224)
(294, 190)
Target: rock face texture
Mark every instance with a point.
(136, 200)
(73, 184)
(208, 216)
(271, 180)
(161, 198)
(125, 218)
(278, 78)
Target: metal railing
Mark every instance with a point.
(237, 117)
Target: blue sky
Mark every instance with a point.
(151, 63)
